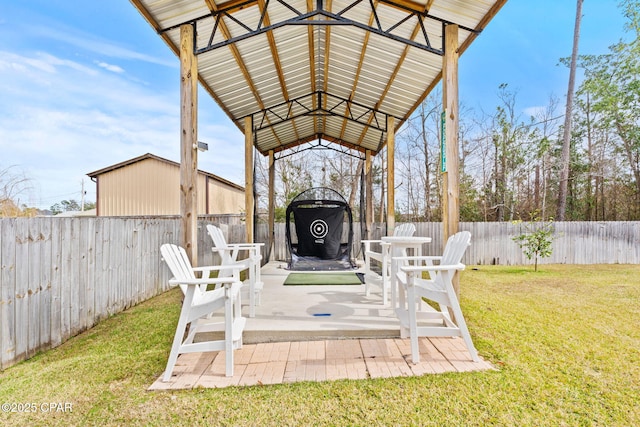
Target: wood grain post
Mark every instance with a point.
(188, 143)
(451, 184)
(391, 205)
(248, 176)
(368, 195)
(272, 197)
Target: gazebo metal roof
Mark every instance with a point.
(319, 70)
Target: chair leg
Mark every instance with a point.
(385, 287)
(462, 325)
(237, 313)
(181, 329)
(252, 296)
(258, 280)
(228, 332)
(413, 322)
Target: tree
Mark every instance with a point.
(417, 148)
(509, 140)
(566, 141)
(13, 184)
(612, 83)
(70, 206)
(536, 240)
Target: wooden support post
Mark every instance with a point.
(272, 197)
(368, 194)
(248, 176)
(451, 196)
(188, 144)
(391, 206)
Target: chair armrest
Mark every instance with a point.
(235, 248)
(245, 246)
(429, 258)
(238, 265)
(418, 268)
(205, 281)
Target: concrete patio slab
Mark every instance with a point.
(319, 333)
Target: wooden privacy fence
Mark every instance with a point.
(492, 242)
(60, 276)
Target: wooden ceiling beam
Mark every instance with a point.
(392, 78)
(234, 5)
(312, 63)
(411, 5)
(243, 68)
(327, 52)
(276, 61)
(358, 71)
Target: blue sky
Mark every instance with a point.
(84, 85)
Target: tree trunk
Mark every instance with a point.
(566, 142)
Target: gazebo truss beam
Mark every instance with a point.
(422, 17)
(296, 107)
(319, 144)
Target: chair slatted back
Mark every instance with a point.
(217, 236)
(455, 248)
(219, 242)
(404, 230)
(178, 262)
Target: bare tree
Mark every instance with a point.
(13, 183)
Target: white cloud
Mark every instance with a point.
(74, 101)
(60, 119)
(109, 67)
(92, 43)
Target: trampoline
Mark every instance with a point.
(318, 239)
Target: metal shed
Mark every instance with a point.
(149, 185)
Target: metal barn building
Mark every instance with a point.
(150, 185)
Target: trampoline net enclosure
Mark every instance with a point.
(319, 229)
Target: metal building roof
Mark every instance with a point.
(319, 70)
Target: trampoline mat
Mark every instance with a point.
(310, 263)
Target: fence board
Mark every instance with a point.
(79, 278)
(45, 283)
(56, 283)
(89, 226)
(21, 338)
(34, 286)
(101, 270)
(66, 277)
(7, 291)
(33, 290)
(115, 259)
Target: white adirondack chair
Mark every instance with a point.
(252, 286)
(439, 289)
(384, 258)
(199, 304)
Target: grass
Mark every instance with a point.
(565, 340)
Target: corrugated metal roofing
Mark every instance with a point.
(319, 69)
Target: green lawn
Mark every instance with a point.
(565, 340)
